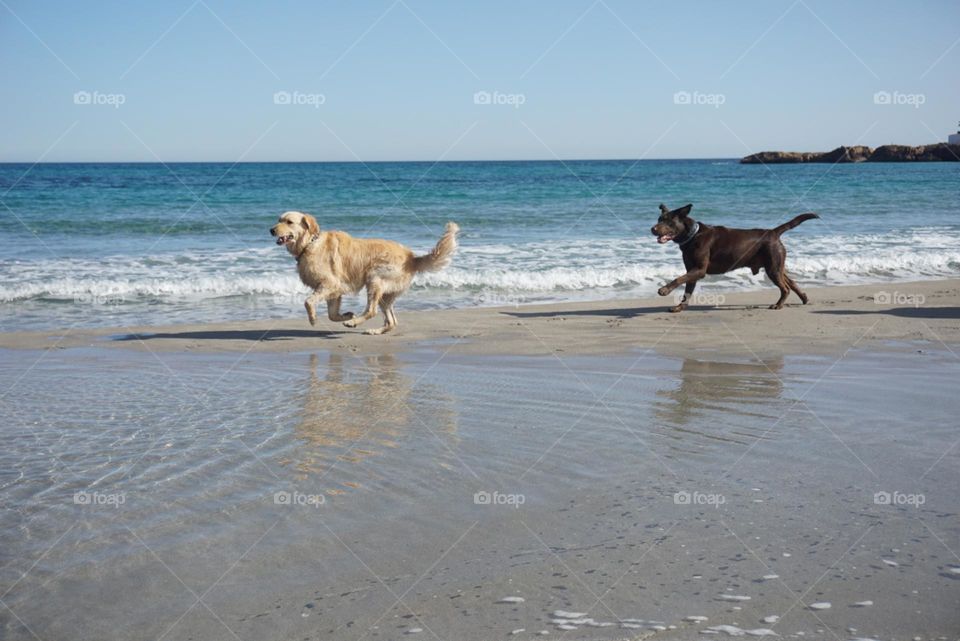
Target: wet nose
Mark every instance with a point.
(654, 229)
(273, 231)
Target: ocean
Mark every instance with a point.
(148, 243)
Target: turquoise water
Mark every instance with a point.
(107, 244)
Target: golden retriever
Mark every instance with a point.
(333, 263)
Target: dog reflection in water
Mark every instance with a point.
(360, 408)
(715, 397)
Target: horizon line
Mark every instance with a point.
(346, 162)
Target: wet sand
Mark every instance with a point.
(594, 471)
(836, 318)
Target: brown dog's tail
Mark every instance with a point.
(441, 254)
(793, 223)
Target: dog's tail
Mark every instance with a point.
(441, 254)
(793, 223)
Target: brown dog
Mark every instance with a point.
(333, 263)
(709, 249)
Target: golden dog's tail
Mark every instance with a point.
(441, 254)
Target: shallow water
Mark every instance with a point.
(331, 496)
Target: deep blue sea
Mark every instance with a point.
(118, 244)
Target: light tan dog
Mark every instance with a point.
(333, 263)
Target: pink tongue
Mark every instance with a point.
(280, 241)
(664, 239)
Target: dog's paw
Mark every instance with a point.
(353, 322)
(775, 306)
(677, 308)
(663, 291)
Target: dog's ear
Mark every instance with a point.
(664, 209)
(310, 223)
(683, 211)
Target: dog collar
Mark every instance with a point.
(693, 232)
(312, 241)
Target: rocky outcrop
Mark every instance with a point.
(859, 153)
(923, 153)
(779, 157)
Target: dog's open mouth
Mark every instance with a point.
(283, 240)
(662, 238)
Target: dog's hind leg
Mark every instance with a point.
(775, 267)
(333, 311)
(389, 316)
(373, 300)
(778, 279)
(792, 285)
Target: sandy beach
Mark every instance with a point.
(537, 448)
(740, 325)
(578, 471)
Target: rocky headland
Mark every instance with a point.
(939, 152)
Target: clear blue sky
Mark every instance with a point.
(597, 78)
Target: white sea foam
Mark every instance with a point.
(549, 267)
(197, 285)
(735, 631)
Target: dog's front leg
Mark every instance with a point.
(687, 294)
(690, 278)
(333, 311)
(311, 303)
(669, 287)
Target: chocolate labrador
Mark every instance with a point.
(709, 249)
